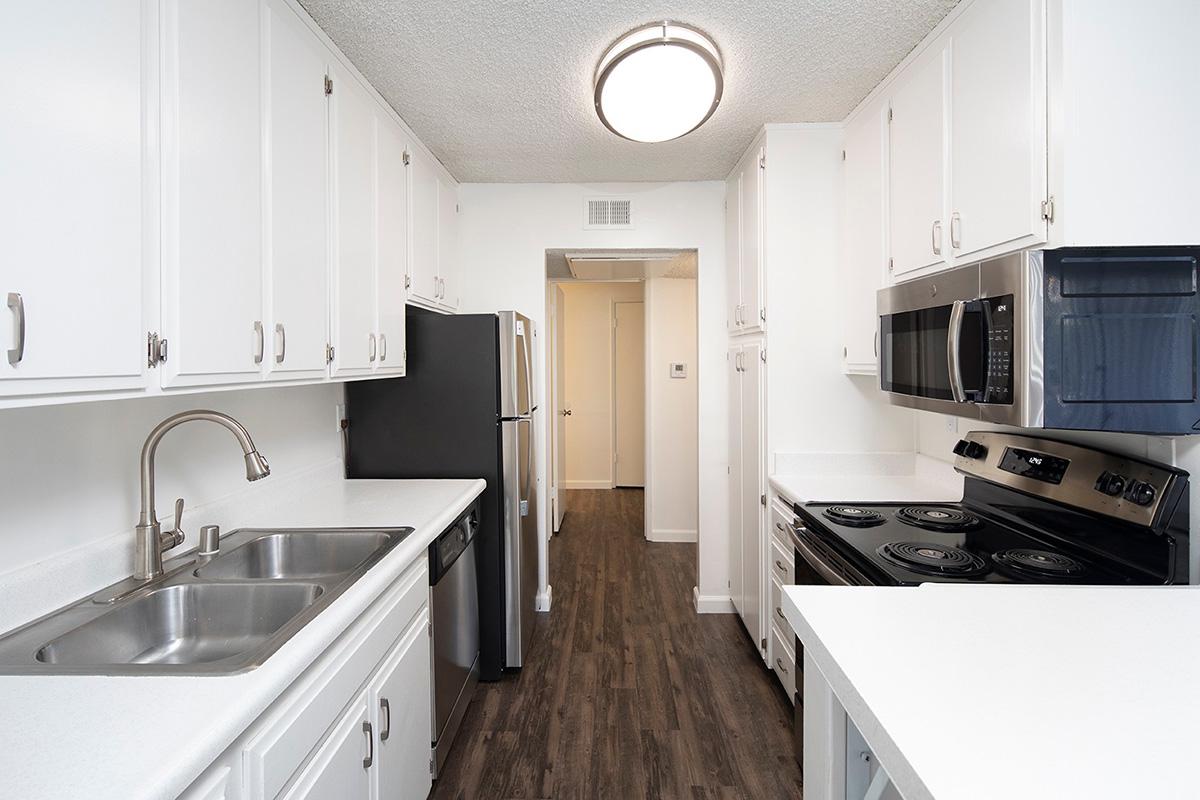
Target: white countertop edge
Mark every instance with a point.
(169, 768)
(903, 776)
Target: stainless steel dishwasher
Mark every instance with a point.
(454, 599)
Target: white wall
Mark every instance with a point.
(588, 362)
(69, 474)
(673, 407)
(505, 230)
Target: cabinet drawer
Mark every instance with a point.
(775, 611)
(281, 743)
(782, 518)
(783, 662)
(783, 564)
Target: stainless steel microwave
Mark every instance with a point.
(1076, 338)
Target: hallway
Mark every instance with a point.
(627, 693)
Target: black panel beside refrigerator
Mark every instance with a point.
(447, 419)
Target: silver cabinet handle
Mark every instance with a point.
(779, 526)
(370, 759)
(371, 339)
(936, 235)
(258, 341)
(779, 613)
(17, 304)
(281, 332)
(779, 564)
(779, 663)
(955, 230)
(386, 708)
(382, 347)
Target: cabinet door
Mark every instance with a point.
(70, 207)
(752, 490)
(733, 255)
(212, 276)
(752, 242)
(424, 265)
(864, 268)
(353, 326)
(735, 477)
(392, 238)
(297, 242)
(341, 769)
(998, 127)
(448, 266)
(916, 139)
(400, 700)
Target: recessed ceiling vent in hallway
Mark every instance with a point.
(608, 212)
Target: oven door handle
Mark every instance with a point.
(815, 562)
(953, 350)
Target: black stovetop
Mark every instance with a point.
(992, 536)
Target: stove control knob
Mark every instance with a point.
(1110, 484)
(1141, 493)
(968, 449)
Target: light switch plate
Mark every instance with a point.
(678, 369)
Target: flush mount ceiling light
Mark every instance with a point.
(659, 82)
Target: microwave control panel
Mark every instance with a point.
(998, 320)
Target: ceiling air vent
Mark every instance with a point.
(608, 213)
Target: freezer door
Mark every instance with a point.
(516, 359)
(520, 538)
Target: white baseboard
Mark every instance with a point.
(542, 602)
(671, 535)
(711, 603)
(589, 484)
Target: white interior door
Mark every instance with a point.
(297, 187)
(629, 394)
(70, 206)
(558, 342)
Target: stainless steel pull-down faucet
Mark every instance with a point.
(150, 540)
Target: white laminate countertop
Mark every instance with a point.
(1031, 692)
(151, 736)
(925, 480)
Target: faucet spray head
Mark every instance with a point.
(256, 466)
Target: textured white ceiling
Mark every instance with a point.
(501, 90)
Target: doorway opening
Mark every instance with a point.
(621, 355)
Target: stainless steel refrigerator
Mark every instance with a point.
(466, 409)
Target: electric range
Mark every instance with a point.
(1033, 511)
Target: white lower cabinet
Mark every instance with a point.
(747, 487)
(355, 724)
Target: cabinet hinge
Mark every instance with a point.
(891, 264)
(889, 113)
(429, 629)
(1048, 209)
(762, 499)
(328, 354)
(156, 350)
(407, 281)
(328, 85)
(762, 161)
(843, 155)
(764, 643)
(406, 158)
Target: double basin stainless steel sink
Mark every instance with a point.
(205, 615)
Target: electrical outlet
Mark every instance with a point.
(340, 410)
(951, 424)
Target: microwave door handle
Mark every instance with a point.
(953, 350)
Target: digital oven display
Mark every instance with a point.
(1031, 464)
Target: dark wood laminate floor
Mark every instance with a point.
(627, 692)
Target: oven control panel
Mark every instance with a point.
(998, 324)
(1136, 491)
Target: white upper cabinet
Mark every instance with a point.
(392, 243)
(448, 266)
(998, 128)
(733, 245)
(917, 156)
(864, 255)
(424, 270)
(354, 338)
(212, 145)
(71, 225)
(745, 301)
(297, 208)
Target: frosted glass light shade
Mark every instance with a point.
(658, 83)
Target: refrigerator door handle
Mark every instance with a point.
(525, 345)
